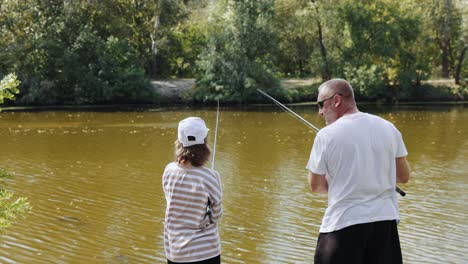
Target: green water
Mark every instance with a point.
(94, 181)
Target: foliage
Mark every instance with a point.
(237, 59)
(295, 28)
(446, 26)
(182, 46)
(9, 87)
(307, 93)
(99, 52)
(366, 81)
(67, 59)
(89, 70)
(428, 92)
(180, 38)
(10, 207)
(378, 48)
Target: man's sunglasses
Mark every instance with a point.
(321, 102)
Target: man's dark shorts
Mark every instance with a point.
(372, 243)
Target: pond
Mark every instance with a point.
(94, 181)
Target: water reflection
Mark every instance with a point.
(94, 182)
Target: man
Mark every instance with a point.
(357, 159)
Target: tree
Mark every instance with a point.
(177, 37)
(447, 25)
(72, 52)
(238, 58)
(295, 37)
(377, 53)
(326, 71)
(461, 67)
(307, 37)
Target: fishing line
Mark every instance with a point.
(307, 123)
(215, 137)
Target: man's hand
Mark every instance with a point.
(402, 170)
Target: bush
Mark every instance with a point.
(9, 87)
(10, 207)
(87, 69)
(366, 81)
(436, 93)
(236, 61)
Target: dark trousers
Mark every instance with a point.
(215, 260)
(369, 243)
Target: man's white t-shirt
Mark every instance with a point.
(356, 153)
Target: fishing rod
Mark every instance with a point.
(307, 123)
(208, 205)
(215, 137)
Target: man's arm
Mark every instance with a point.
(402, 170)
(317, 183)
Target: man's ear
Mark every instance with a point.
(336, 101)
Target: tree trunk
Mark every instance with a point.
(445, 60)
(301, 55)
(459, 65)
(445, 42)
(326, 73)
(153, 64)
(138, 6)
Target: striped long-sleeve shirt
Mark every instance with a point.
(189, 234)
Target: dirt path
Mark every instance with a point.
(173, 88)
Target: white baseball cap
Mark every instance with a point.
(192, 131)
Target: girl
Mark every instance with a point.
(193, 196)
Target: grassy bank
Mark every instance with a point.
(177, 92)
(305, 90)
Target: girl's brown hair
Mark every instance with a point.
(197, 155)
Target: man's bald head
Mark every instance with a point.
(337, 86)
(336, 99)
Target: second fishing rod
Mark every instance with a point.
(307, 123)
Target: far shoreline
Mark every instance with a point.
(169, 107)
(171, 94)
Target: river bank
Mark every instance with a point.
(175, 91)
